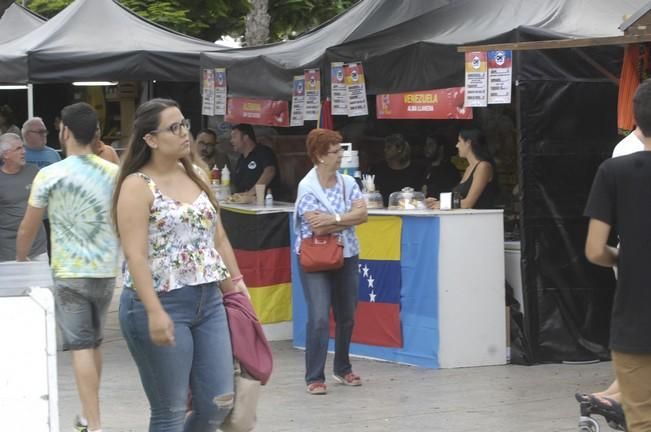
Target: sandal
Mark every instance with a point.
(317, 388)
(609, 408)
(350, 379)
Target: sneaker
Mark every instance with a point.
(317, 388)
(79, 425)
(350, 379)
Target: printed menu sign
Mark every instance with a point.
(208, 93)
(220, 91)
(338, 89)
(298, 101)
(312, 94)
(476, 79)
(499, 77)
(356, 88)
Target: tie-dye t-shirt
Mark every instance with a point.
(77, 192)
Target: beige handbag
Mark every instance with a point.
(247, 392)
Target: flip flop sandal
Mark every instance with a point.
(317, 388)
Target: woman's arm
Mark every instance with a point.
(133, 227)
(482, 176)
(223, 246)
(326, 223)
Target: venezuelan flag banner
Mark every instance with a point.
(262, 247)
(377, 319)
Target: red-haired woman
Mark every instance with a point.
(329, 203)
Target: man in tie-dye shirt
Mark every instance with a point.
(77, 192)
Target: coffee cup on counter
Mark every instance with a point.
(259, 194)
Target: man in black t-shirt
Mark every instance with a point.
(397, 170)
(621, 198)
(256, 165)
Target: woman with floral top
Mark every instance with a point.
(179, 262)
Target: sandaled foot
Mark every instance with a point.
(317, 388)
(609, 408)
(350, 379)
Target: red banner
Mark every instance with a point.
(442, 104)
(258, 112)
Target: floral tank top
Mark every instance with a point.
(181, 242)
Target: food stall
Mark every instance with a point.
(419, 302)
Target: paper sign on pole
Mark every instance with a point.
(220, 91)
(499, 77)
(338, 89)
(312, 94)
(476, 79)
(356, 87)
(298, 101)
(208, 93)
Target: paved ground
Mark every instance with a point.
(393, 397)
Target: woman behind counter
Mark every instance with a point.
(329, 202)
(179, 261)
(477, 187)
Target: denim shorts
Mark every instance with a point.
(81, 307)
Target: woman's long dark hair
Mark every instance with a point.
(478, 144)
(138, 153)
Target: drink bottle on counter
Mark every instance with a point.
(268, 199)
(226, 176)
(215, 175)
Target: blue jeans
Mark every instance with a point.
(336, 288)
(201, 360)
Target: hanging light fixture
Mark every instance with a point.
(94, 83)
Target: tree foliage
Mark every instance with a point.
(212, 19)
(290, 18)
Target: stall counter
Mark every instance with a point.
(450, 308)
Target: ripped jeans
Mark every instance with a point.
(201, 360)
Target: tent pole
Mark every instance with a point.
(30, 101)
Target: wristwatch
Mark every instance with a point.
(337, 218)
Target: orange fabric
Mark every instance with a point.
(628, 83)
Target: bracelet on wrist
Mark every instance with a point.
(236, 279)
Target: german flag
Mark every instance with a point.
(262, 247)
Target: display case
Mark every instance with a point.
(407, 199)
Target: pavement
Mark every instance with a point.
(393, 397)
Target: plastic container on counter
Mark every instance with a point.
(373, 200)
(407, 199)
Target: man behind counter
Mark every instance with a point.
(256, 165)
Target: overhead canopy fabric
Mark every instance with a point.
(18, 21)
(411, 44)
(101, 40)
